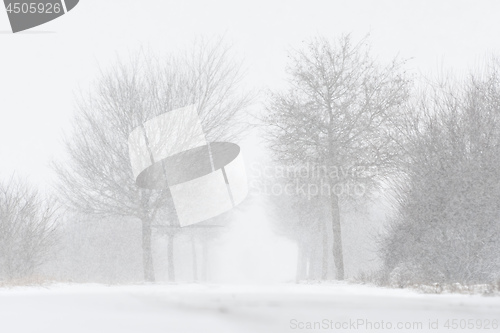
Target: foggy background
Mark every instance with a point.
(42, 70)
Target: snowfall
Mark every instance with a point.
(340, 307)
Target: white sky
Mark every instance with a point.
(39, 72)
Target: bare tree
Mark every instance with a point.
(447, 198)
(27, 229)
(302, 217)
(98, 177)
(335, 117)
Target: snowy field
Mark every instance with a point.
(228, 309)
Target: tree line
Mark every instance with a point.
(431, 152)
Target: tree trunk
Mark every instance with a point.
(337, 238)
(324, 234)
(301, 264)
(195, 259)
(147, 255)
(204, 256)
(170, 255)
(307, 266)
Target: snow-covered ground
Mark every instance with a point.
(236, 308)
